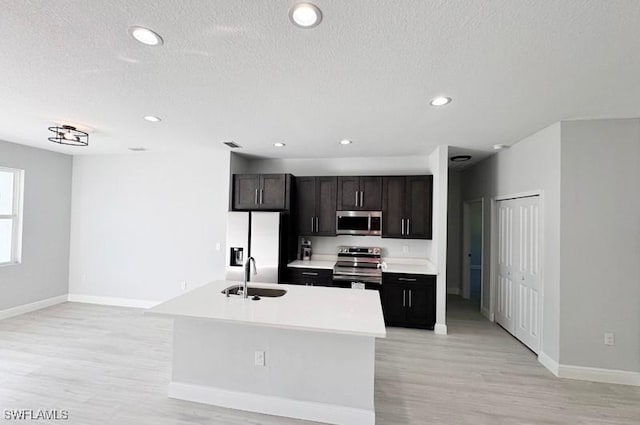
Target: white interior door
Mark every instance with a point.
(518, 286)
(504, 296)
(528, 277)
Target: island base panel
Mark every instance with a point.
(316, 376)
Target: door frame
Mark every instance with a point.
(493, 271)
(466, 246)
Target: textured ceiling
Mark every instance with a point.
(239, 70)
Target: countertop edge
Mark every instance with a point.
(268, 325)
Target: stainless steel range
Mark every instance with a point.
(358, 267)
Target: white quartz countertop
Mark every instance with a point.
(410, 268)
(309, 308)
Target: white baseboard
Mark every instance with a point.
(549, 363)
(609, 376)
(440, 329)
(593, 374)
(120, 302)
(26, 308)
(453, 291)
(278, 406)
(485, 312)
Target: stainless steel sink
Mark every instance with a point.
(253, 291)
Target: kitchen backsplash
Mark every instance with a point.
(396, 248)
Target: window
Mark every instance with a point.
(10, 215)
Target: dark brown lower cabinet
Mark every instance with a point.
(308, 276)
(409, 300)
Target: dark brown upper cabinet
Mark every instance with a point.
(315, 205)
(407, 207)
(269, 192)
(359, 193)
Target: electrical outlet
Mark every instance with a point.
(405, 249)
(609, 338)
(218, 246)
(259, 358)
(183, 285)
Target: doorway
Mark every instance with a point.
(472, 251)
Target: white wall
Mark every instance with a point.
(44, 271)
(365, 166)
(144, 222)
(438, 162)
(529, 165)
(454, 233)
(600, 225)
(394, 248)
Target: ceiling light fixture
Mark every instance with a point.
(69, 135)
(440, 101)
(345, 142)
(279, 145)
(152, 118)
(499, 147)
(305, 15)
(460, 158)
(146, 36)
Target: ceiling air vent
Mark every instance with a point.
(232, 145)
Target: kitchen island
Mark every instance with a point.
(309, 354)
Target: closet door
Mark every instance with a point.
(506, 270)
(518, 286)
(527, 278)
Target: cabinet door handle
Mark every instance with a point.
(311, 224)
(408, 231)
(261, 195)
(407, 279)
(404, 303)
(361, 198)
(256, 199)
(356, 198)
(410, 298)
(317, 225)
(402, 231)
(310, 274)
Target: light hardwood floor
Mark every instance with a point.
(110, 365)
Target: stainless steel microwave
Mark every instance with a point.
(359, 223)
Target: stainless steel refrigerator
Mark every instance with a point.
(255, 234)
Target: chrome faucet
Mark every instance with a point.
(247, 270)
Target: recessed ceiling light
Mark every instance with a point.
(305, 15)
(499, 147)
(279, 145)
(152, 118)
(460, 158)
(146, 36)
(440, 101)
(345, 142)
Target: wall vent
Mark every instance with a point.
(232, 145)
